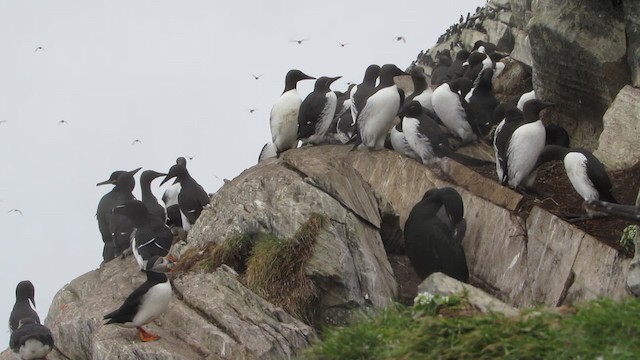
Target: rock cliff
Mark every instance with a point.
(358, 201)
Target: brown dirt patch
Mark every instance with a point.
(557, 195)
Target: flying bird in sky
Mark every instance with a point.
(63, 122)
(400, 38)
(343, 44)
(251, 110)
(190, 157)
(136, 141)
(38, 48)
(15, 210)
(256, 76)
(299, 41)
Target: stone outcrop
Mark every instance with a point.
(618, 146)
(579, 56)
(632, 19)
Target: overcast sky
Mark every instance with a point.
(177, 75)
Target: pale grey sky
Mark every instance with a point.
(176, 76)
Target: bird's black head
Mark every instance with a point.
(371, 74)
(461, 86)
(112, 179)
(292, 78)
(147, 176)
(532, 108)
(25, 290)
(182, 161)
(417, 72)
(462, 55)
(323, 83)
(176, 171)
(125, 181)
(411, 109)
(388, 72)
(135, 210)
(159, 264)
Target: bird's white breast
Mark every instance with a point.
(377, 116)
(400, 144)
(33, 349)
(154, 303)
(417, 141)
(525, 146)
(424, 98)
(447, 106)
(284, 120)
(575, 164)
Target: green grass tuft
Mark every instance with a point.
(601, 329)
(275, 269)
(208, 257)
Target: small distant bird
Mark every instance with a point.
(343, 44)
(16, 210)
(146, 302)
(136, 141)
(63, 122)
(190, 157)
(256, 76)
(251, 110)
(31, 340)
(38, 48)
(299, 41)
(25, 297)
(400, 38)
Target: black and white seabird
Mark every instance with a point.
(586, 173)
(476, 62)
(192, 197)
(342, 124)
(116, 230)
(147, 302)
(439, 75)
(524, 98)
(517, 142)
(484, 47)
(151, 237)
(284, 113)
(268, 151)
(376, 117)
(361, 92)
(317, 111)
(150, 200)
(399, 143)
(433, 234)
(25, 297)
(421, 91)
(31, 340)
(170, 199)
(449, 104)
(483, 103)
(458, 67)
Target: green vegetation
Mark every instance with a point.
(627, 238)
(602, 329)
(269, 266)
(275, 269)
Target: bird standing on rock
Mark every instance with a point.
(147, 302)
(25, 297)
(31, 340)
(116, 230)
(317, 111)
(150, 200)
(284, 113)
(192, 197)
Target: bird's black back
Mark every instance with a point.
(127, 311)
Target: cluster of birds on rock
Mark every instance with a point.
(144, 228)
(455, 108)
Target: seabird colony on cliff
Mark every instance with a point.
(452, 107)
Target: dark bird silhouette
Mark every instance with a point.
(433, 234)
(25, 297)
(31, 340)
(115, 229)
(342, 44)
(191, 157)
(192, 197)
(251, 110)
(626, 212)
(63, 122)
(256, 76)
(136, 141)
(16, 211)
(38, 48)
(400, 38)
(299, 41)
(152, 236)
(148, 199)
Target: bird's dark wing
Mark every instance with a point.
(598, 176)
(30, 331)
(309, 114)
(129, 307)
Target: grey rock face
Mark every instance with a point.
(632, 19)
(579, 55)
(618, 144)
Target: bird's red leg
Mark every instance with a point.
(145, 336)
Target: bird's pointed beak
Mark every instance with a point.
(307, 77)
(133, 172)
(167, 178)
(334, 79)
(106, 182)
